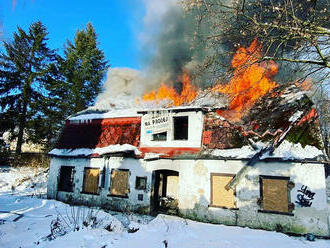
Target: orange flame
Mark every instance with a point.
(251, 80)
(165, 92)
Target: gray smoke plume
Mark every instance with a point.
(168, 41)
(121, 88)
(166, 45)
(173, 44)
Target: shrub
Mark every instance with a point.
(74, 219)
(30, 160)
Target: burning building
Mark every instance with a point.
(255, 162)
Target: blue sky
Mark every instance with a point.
(117, 23)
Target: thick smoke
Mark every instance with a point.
(173, 50)
(168, 39)
(166, 51)
(122, 87)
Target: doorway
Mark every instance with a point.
(164, 195)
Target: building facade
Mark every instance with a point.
(191, 162)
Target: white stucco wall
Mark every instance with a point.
(328, 195)
(102, 199)
(194, 190)
(195, 128)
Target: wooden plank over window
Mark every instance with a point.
(275, 194)
(220, 197)
(91, 180)
(119, 183)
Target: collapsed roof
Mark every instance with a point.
(284, 120)
(282, 108)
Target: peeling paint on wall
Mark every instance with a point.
(193, 191)
(200, 169)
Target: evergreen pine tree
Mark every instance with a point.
(84, 68)
(25, 75)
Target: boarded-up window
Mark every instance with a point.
(274, 193)
(66, 179)
(91, 180)
(220, 197)
(119, 183)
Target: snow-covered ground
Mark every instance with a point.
(23, 181)
(27, 219)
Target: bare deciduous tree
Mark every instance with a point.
(294, 32)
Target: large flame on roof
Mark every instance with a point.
(251, 80)
(165, 92)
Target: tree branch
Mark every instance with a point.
(315, 62)
(317, 30)
(324, 59)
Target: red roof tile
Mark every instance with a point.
(100, 133)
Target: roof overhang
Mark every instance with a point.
(179, 109)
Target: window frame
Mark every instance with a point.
(211, 191)
(159, 140)
(103, 177)
(262, 210)
(173, 120)
(98, 182)
(128, 185)
(59, 187)
(136, 183)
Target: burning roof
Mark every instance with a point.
(285, 115)
(187, 95)
(257, 118)
(250, 81)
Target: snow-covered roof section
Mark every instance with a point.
(292, 94)
(85, 152)
(296, 116)
(178, 109)
(115, 113)
(93, 113)
(285, 151)
(209, 99)
(238, 153)
(133, 112)
(128, 105)
(289, 151)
